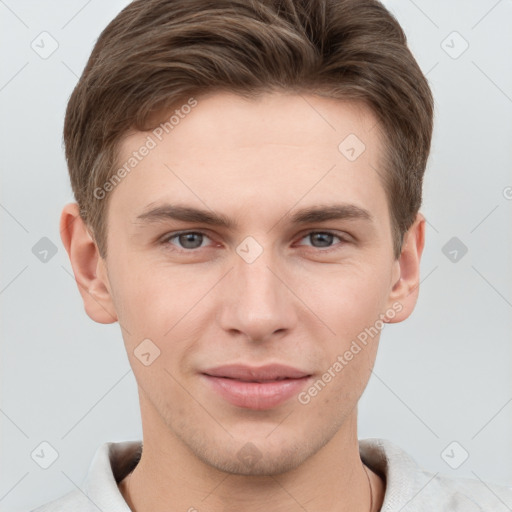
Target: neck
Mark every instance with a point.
(170, 478)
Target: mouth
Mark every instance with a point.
(254, 380)
(256, 388)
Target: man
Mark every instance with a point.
(248, 181)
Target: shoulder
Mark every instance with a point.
(75, 501)
(409, 487)
(467, 494)
(100, 491)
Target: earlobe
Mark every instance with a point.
(88, 266)
(404, 291)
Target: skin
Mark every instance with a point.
(256, 162)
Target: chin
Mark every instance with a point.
(249, 460)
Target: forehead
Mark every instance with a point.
(242, 157)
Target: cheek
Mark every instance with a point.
(348, 298)
(334, 394)
(150, 296)
(164, 305)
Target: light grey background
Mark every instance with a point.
(442, 376)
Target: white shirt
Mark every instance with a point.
(409, 488)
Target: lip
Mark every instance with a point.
(258, 388)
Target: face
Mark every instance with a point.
(300, 268)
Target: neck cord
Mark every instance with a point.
(371, 489)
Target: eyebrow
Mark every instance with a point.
(307, 215)
(163, 212)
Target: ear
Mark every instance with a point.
(404, 292)
(88, 266)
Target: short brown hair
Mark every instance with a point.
(157, 53)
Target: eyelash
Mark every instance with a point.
(171, 236)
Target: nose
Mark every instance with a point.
(257, 304)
